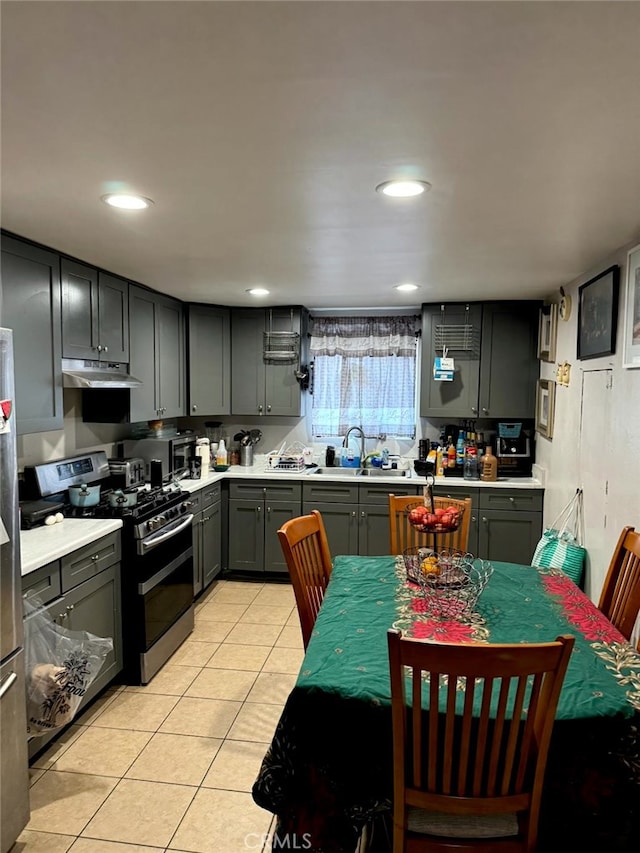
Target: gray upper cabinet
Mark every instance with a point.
(157, 355)
(494, 350)
(209, 347)
(31, 307)
(509, 363)
(95, 314)
(262, 385)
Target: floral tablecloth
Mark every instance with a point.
(329, 767)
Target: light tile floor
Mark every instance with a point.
(170, 766)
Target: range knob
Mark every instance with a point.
(155, 523)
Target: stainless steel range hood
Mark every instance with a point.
(80, 373)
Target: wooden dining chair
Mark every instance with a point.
(402, 535)
(306, 551)
(470, 747)
(620, 596)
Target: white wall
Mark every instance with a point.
(609, 476)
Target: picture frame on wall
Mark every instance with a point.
(631, 352)
(545, 407)
(598, 314)
(547, 332)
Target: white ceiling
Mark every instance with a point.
(261, 129)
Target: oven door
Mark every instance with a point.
(165, 578)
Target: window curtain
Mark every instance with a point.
(364, 374)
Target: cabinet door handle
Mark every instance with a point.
(474, 411)
(99, 348)
(258, 509)
(363, 514)
(485, 411)
(62, 616)
(269, 509)
(512, 500)
(105, 349)
(70, 607)
(268, 407)
(95, 558)
(353, 515)
(260, 407)
(485, 520)
(473, 518)
(194, 408)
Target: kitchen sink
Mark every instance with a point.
(361, 472)
(338, 472)
(382, 472)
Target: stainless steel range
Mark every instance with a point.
(157, 560)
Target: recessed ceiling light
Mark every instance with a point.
(258, 291)
(125, 201)
(405, 287)
(403, 189)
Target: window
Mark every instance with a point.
(364, 374)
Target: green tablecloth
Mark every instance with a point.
(329, 767)
(348, 653)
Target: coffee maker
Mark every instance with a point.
(514, 451)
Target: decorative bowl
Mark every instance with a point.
(449, 581)
(220, 467)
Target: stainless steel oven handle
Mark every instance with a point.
(167, 532)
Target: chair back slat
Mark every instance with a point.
(620, 596)
(488, 711)
(306, 551)
(402, 535)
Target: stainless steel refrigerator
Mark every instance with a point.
(14, 762)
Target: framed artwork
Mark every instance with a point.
(598, 315)
(547, 332)
(545, 407)
(631, 354)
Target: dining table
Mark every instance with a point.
(328, 771)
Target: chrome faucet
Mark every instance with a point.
(345, 441)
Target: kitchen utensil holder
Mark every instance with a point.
(246, 455)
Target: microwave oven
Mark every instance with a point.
(174, 452)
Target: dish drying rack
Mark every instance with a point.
(288, 458)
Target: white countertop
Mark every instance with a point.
(240, 472)
(44, 544)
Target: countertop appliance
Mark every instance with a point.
(126, 472)
(157, 560)
(514, 456)
(14, 769)
(173, 451)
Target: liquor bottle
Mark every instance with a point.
(489, 466)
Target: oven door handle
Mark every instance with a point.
(167, 532)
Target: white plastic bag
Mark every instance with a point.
(60, 666)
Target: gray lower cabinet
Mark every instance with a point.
(506, 524)
(207, 536)
(493, 345)
(31, 307)
(257, 509)
(356, 517)
(82, 593)
(157, 355)
(261, 385)
(209, 348)
(510, 524)
(95, 314)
